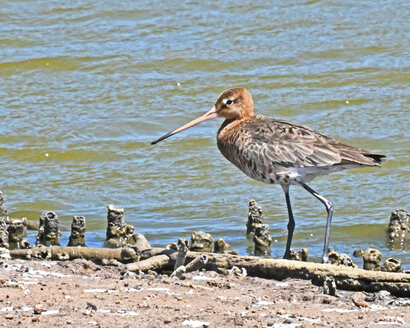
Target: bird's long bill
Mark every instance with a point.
(207, 116)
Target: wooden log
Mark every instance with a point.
(346, 278)
(70, 253)
(154, 259)
(157, 262)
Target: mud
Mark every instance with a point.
(80, 293)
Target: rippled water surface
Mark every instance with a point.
(86, 85)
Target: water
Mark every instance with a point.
(86, 85)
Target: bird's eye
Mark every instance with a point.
(229, 102)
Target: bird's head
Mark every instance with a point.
(232, 104)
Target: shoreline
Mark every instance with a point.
(82, 293)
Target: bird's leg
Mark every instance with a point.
(329, 209)
(291, 223)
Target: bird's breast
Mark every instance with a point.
(237, 146)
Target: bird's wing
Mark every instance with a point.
(282, 143)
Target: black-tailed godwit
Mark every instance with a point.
(279, 152)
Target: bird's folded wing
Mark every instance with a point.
(281, 143)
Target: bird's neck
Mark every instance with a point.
(229, 125)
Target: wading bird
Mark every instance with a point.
(279, 152)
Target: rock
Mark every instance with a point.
(255, 216)
(341, 259)
(237, 272)
(384, 295)
(119, 233)
(48, 233)
(38, 308)
(369, 296)
(116, 228)
(221, 246)
(329, 286)
(17, 230)
(358, 252)
(4, 253)
(358, 300)
(391, 265)
(91, 307)
(172, 245)
(139, 242)
(371, 259)
(78, 227)
(262, 240)
(201, 242)
(300, 255)
(398, 229)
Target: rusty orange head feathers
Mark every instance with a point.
(231, 104)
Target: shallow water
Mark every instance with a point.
(85, 86)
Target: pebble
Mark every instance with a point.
(358, 300)
(38, 308)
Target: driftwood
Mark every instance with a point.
(155, 259)
(345, 277)
(158, 262)
(70, 253)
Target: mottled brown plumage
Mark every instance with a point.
(276, 151)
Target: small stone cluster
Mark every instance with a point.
(372, 261)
